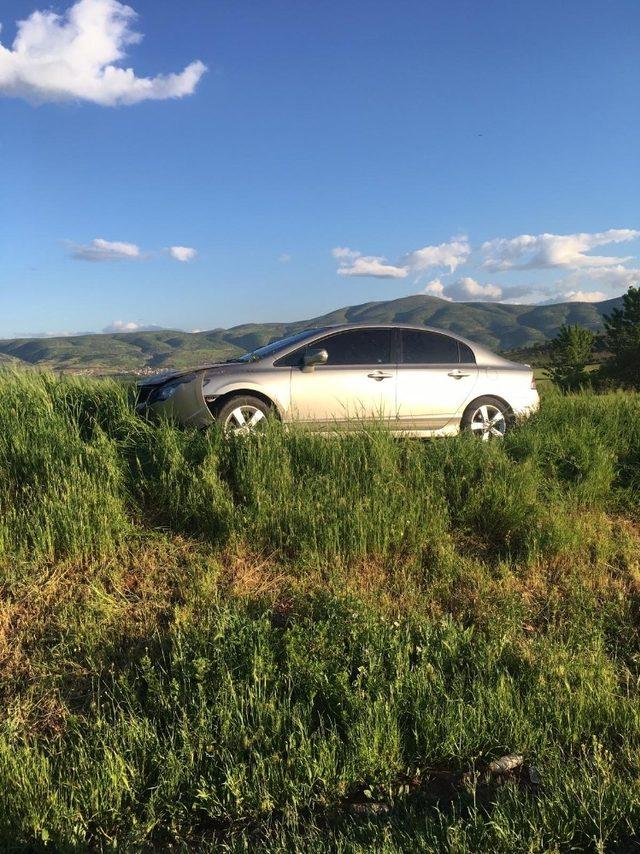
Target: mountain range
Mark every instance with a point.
(499, 326)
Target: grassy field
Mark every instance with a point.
(306, 643)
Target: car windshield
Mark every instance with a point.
(276, 346)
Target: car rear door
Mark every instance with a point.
(358, 382)
(436, 378)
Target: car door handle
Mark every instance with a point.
(457, 374)
(379, 375)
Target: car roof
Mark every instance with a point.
(337, 327)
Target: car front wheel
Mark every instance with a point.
(488, 418)
(242, 415)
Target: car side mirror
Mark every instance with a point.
(314, 357)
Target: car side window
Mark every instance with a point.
(291, 360)
(358, 347)
(467, 356)
(429, 348)
(352, 347)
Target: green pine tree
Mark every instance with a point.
(623, 339)
(570, 355)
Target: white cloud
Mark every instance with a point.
(122, 326)
(583, 296)
(130, 326)
(616, 278)
(578, 285)
(343, 253)
(105, 250)
(352, 263)
(449, 255)
(585, 276)
(115, 326)
(183, 253)
(566, 251)
(284, 258)
(370, 265)
(435, 288)
(468, 288)
(72, 57)
(65, 333)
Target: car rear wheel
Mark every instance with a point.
(242, 415)
(487, 418)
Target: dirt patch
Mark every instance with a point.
(438, 786)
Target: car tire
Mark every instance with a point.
(487, 418)
(243, 414)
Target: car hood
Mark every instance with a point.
(166, 376)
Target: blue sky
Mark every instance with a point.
(332, 153)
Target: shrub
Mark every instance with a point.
(570, 355)
(623, 339)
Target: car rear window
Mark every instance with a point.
(428, 348)
(466, 354)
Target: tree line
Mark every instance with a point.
(572, 351)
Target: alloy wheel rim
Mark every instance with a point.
(488, 422)
(244, 419)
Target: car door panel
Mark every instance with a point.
(429, 397)
(348, 394)
(433, 385)
(340, 395)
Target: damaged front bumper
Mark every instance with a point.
(179, 399)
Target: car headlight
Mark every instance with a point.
(166, 391)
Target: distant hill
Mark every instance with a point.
(501, 327)
(8, 361)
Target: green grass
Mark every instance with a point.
(208, 644)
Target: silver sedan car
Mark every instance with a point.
(412, 379)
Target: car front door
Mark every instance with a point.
(357, 383)
(436, 378)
